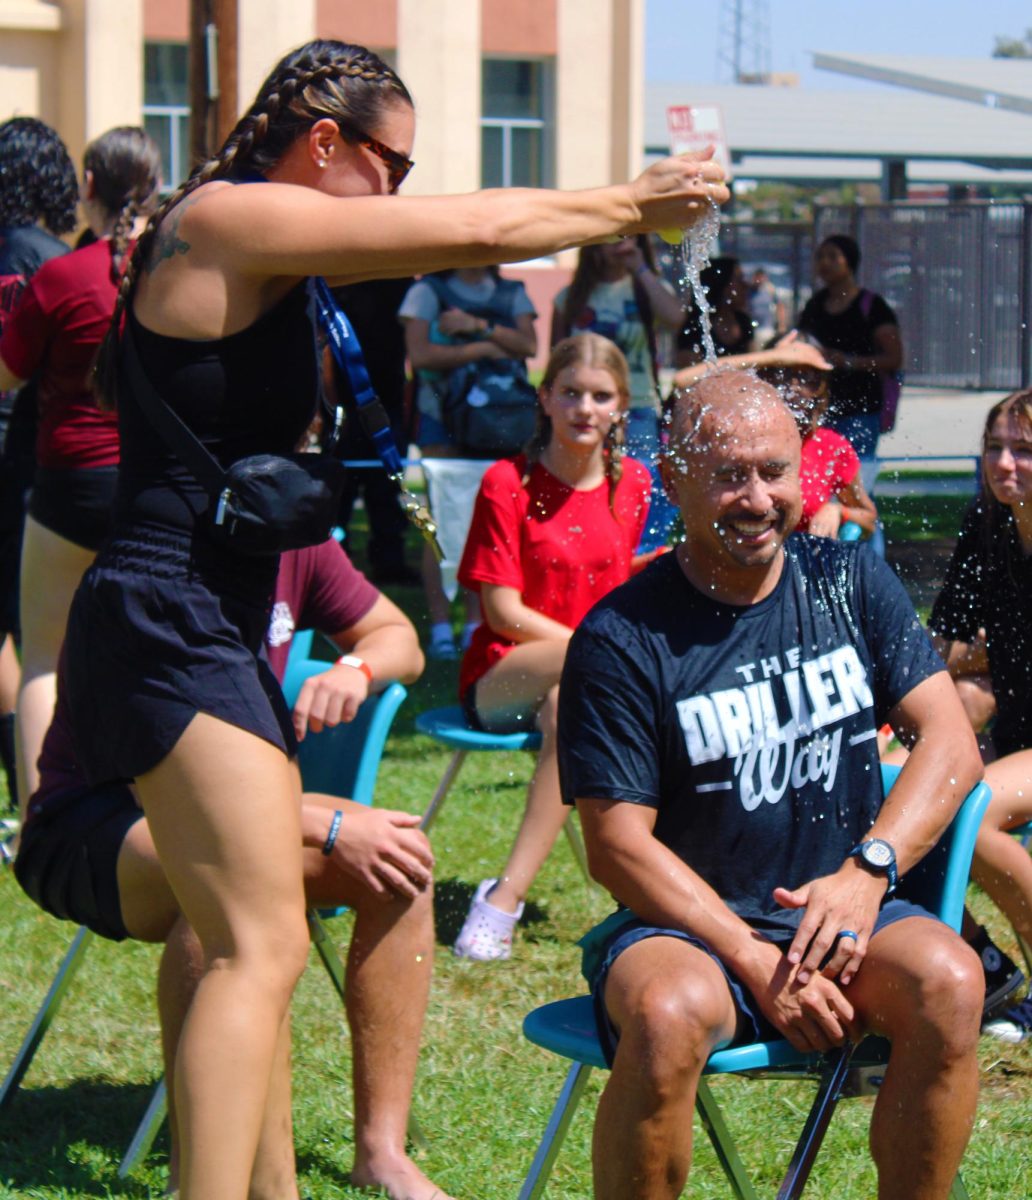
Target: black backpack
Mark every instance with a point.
(489, 407)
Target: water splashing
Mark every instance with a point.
(697, 246)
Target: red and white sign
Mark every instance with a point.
(694, 127)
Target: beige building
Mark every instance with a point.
(508, 92)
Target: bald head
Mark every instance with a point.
(724, 404)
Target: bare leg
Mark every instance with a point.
(922, 987)
(224, 813)
(976, 695)
(51, 568)
(527, 681)
(672, 1006)
(1002, 865)
(10, 675)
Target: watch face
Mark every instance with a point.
(878, 854)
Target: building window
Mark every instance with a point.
(166, 108)
(516, 123)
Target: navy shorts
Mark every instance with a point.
(68, 856)
(752, 1025)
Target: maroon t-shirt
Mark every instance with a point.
(317, 588)
(55, 330)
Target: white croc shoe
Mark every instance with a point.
(486, 933)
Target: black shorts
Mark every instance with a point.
(74, 504)
(68, 856)
(162, 627)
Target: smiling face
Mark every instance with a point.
(583, 403)
(733, 471)
(1007, 461)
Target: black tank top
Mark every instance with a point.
(253, 392)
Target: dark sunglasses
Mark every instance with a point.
(398, 166)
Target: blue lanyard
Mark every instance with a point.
(348, 354)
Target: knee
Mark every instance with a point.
(951, 991)
(273, 953)
(669, 1031)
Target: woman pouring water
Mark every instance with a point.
(165, 683)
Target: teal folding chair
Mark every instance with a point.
(342, 761)
(449, 727)
(567, 1028)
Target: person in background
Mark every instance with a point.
(53, 336)
(765, 307)
(39, 196)
(981, 623)
(451, 320)
(829, 471)
(732, 327)
(553, 531)
(372, 308)
(618, 292)
(86, 855)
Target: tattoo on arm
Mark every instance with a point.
(167, 242)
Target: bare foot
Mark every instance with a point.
(399, 1178)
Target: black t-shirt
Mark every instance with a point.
(989, 585)
(852, 392)
(751, 729)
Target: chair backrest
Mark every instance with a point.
(343, 761)
(452, 485)
(939, 881)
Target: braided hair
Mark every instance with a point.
(584, 350)
(323, 78)
(125, 164)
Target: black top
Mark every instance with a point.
(852, 392)
(989, 585)
(253, 392)
(753, 730)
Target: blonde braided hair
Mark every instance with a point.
(349, 84)
(584, 350)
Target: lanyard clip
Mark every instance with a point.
(420, 516)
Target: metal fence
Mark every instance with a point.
(957, 276)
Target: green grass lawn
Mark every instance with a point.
(483, 1094)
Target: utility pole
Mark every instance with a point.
(213, 75)
(743, 49)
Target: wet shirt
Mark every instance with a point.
(561, 549)
(828, 464)
(988, 586)
(751, 729)
(56, 330)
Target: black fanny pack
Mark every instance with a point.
(263, 504)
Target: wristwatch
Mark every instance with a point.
(360, 664)
(879, 858)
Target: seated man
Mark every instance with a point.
(717, 731)
(87, 855)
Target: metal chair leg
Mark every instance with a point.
(959, 1191)
(816, 1125)
(573, 836)
(555, 1133)
(443, 788)
(723, 1143)
(48, 1010)
(147, 1130)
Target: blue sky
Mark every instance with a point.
(682, 35)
